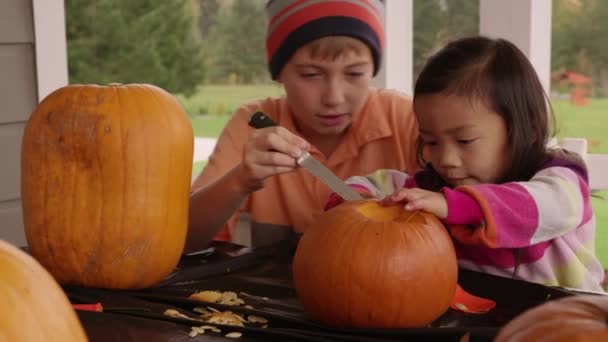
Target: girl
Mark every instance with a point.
(513, 207)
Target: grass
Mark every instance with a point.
(224, 99)
(600, 208)
(198, 167)
(590, 122)
(211, 107)
(208, 126)
(572, 121)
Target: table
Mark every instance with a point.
(264, 275)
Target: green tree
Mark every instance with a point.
(461, 18)
(427, 19)
(578, 41)
(595, 32)
(236, 52)
(208, 10)
(135, 41)
(567, 32)
(436, 22)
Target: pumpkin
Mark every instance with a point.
(34, 308)
(574, 318)
(106, 174)
(365, 265)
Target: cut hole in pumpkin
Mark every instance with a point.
(376, 212)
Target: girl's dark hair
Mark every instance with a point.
(497, 73)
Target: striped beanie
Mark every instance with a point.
(294, 23)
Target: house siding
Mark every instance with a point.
(18, 97)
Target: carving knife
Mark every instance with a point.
(310, 164)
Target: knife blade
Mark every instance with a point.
(310, 164)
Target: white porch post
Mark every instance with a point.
(526, 23)
(51, 46)
(397, 64)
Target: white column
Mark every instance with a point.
(526, 23)
(397, 63)
(51, 46)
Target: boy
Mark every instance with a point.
(324, 54)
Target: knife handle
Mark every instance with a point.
(261, 120)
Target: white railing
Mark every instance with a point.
(597, 164)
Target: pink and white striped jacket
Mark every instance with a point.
(542, 230)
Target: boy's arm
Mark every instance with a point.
(377, 184)
(217, 194)
(520, 214)
(242, 159)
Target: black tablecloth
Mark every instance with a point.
(264, 275)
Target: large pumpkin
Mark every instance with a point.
(106, 176)
(575, 318)
(365, 265)
(33, 307)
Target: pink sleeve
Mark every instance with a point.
(462, 208)
(521, 214)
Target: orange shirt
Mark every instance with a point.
(383, 135)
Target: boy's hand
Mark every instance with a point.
(271, 151)
(419, 199)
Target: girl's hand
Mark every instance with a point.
(270, 151)
(419, 199)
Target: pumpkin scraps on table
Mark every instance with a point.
(214, 316)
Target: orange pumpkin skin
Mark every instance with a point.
(364, 265)
(575, 318)
(34, 308)
(106, 176)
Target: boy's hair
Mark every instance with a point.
(332, 47)
(293, 24)
(497, 73)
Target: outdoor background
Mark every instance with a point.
(210, 54)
